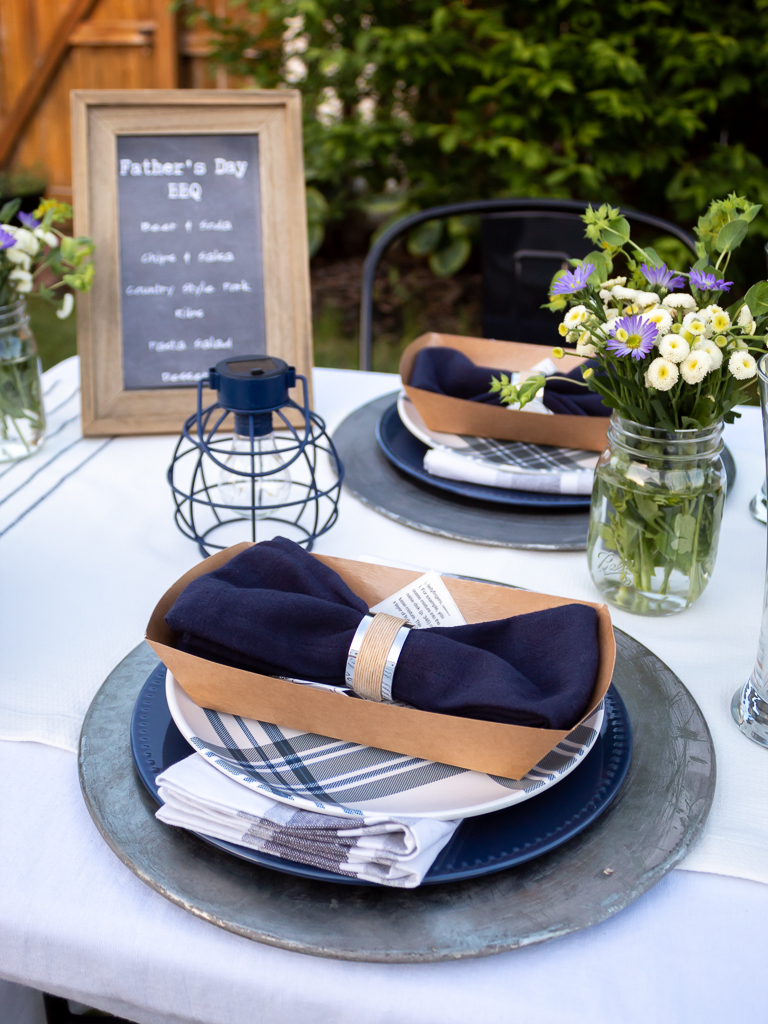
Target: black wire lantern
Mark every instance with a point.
(241, 464)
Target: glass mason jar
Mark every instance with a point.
(655, 517)
(22, 418)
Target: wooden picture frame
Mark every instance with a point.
(99, 119)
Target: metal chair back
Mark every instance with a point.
(524, 241)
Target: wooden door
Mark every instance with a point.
(48, 47)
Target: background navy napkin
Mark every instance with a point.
(446, 371)
(276, 610)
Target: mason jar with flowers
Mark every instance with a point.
(34, 256)
(672, 362)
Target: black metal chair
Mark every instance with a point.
(523, 243)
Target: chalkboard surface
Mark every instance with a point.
(191, 267)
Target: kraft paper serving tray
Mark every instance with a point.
(492, 747)
(459, 416)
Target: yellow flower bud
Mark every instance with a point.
(557, 353)
(562, 330)
(675, 328)
(586, 374)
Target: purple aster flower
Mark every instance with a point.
(632, 336)
(28, 221)
(6, 239)
(573, 281)
(708, 282)
(661, 277)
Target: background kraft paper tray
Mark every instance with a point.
(506, 750)
(459, 416)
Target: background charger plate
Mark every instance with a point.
(391, 492)
(481, 845)
(337, 766)
(407, 452)
(648, 829)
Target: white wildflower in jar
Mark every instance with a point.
(694, 324)
(585, 346)
(695, 367)
(720, 321)
(679, 302)
(674, 348)
(709, 346)
(742, 365)
(661, 318)
(611, 282)
(574, 317)
(620, 292)
(646, 299)
(662, 374)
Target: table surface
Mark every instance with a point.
(83, 560)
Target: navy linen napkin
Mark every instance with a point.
(276, 610)
(446, 371)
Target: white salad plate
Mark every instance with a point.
(335, 777)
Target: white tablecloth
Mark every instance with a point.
(87, 544)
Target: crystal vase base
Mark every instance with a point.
(750, 712)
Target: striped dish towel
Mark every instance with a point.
(391, 851)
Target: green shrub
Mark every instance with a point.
(657, 104)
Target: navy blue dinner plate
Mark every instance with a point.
(407, 453)
(480, 846)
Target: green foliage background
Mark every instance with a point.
(657, 104)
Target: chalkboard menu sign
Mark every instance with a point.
(195, 200)
(190, 255)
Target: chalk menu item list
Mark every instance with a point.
(191, 264)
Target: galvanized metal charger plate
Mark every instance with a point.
(381, 485)
(376, 482)
(653, 821)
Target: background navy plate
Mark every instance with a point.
(480, 846)
(407, 453)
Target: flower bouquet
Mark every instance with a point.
(34, 255)
(673, 361)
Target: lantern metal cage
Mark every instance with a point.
(241, 463)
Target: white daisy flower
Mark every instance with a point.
(25, 240)
(67, 305)
(744, 319)
(16, 255)
(612, 313)
(707, 345)
(742, 365)
(620, 292)
(646, 299)
(695, 367)
(585, 346)
(661, 374)
(614, 281)
(679, 302)
(22, 280)
(605, 295)
(661, 318)
(694, 324)
(574, 316)
(720, 321)
(674, 348)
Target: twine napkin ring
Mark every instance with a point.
(373, 655)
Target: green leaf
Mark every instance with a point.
(448, 261)
(731, 235)
(757, 298)
(316, 235)
(9, 210)
(425, 237)
(462, 227)
(601, 264)
(654, 260)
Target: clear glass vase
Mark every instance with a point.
(655, 517)
(22, 418)
(750, 702)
